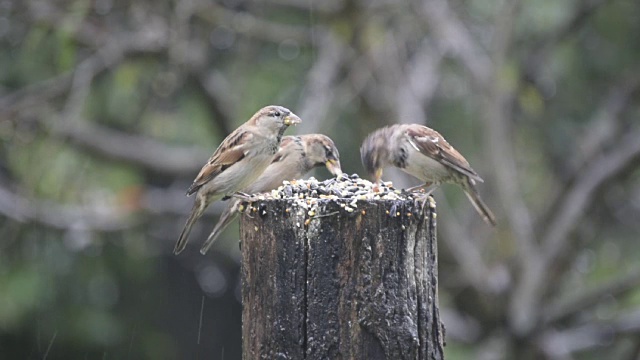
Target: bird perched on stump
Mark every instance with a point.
(239, 160)
(297, 156)
(422, 152)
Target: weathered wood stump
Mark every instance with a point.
(336, 283)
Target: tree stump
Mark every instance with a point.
(339, 282)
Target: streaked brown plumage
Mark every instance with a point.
(297, 156)
(239, 160)
(422, 152)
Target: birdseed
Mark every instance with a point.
(344, 187)
(347, 190)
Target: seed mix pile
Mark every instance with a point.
(345, 189)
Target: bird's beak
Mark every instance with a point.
(333, 165)
(378, 175)
(292, 119)
(377, 180)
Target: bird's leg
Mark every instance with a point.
(415, 188)
(243, 196)
(420, 199)
(424, 191)
(427, 187)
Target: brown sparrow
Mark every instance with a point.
(425, 154)
(238, 161)
(297, 156)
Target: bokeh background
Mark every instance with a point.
(108, 109)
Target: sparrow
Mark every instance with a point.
(237, 162)
(422, 152)
(297, 156)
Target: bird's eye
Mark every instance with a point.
(277, 114)
(328, 153)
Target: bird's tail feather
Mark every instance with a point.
(196, 212)
(478, 204)
(227, 216)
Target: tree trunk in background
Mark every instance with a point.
(339, 284)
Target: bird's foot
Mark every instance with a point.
(423, 190)
(244, 196)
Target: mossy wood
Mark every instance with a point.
(340, 284)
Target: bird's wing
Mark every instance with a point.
(231, 151)
(430, 143)
(282, 153)
(287, 164)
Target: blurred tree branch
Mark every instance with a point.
(90, 217)
(214, 85)
(540, 52)
(454, 38)
(360, 65)
(325, 8)
(319, 93)
(147, 41)
(250, 25)
(466, 251)
(144, 152)
(616, 287)
(607, 119)
(561, 343)
(418, 85)
(573, 204)
(578, 199)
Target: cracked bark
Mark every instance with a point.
(344, 286)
